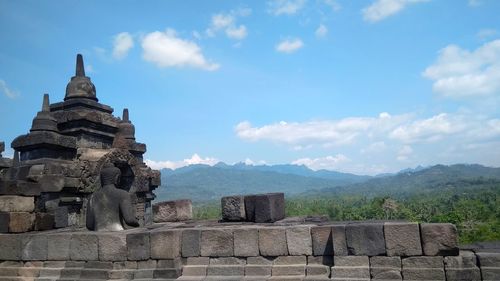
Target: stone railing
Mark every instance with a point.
(248, 251)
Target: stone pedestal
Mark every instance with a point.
(169, 211)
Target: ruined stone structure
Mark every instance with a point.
(56, 166)
(56, 170)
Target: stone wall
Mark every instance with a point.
(245, 251)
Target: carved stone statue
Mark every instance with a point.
(110, 208)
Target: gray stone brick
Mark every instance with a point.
(217, 243)
(260, 260)
(268, 207)
(225, 270)
(14, 203)
(365, 239)
(402, 239)
(272, 242)
(290, 260)
(233, 208)
(288, 270)
(320, 260)
(84, 247)
(58, 247)
(299, 240)
(246, 242)
(194, 270)
(227, 261)
(339, 240)
(350, 268)
(11, 247)
(439, 239)
(385, 268)
(191, 242)
(165, 244)
(489, 259)
(34, 247)
(138, 246)
(4, 222)
(423, 268)
(322, 242)
(198, 261)
(318, 270)
(258, 270)
(112, 247)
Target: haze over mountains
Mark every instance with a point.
(204, 183)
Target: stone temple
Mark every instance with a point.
(56, 166)
(78, 178)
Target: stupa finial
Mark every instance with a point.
(46, 103)
(125, 117)
(80, 69)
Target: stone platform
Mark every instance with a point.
(292, 249)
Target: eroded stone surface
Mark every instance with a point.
(439, 239)
(165, 244)
(365, 239)
(402, 239)
(272, 242)
(217, 243)
(246, 242)
(233, 208)
(13, 203)
(299, 240)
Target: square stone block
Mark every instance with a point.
(385, 268)
(166, 244)
(11, 247)
(299, 240)
(320, 260)
(34, 247)
(58, 247)
(138, 246)
(272, 242)
(14, 203)
(402, 239)
(217, 243)
(365, 239)
(233, 208)
(258, 270)
(439, 239)
(339, 241)
(290, 260)
(168, 211)
(289, 270)
(225, 270)
(228, 261)
(61, 217)
(113, 247)
(489, 259)
(84, 247)
(44, 221)
(190, 242)
(322, 242)
(262, 208)
(356, 261)
(21, 222)
(246, 242)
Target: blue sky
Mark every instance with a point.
(357, 86)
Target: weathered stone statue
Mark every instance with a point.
(110, 208)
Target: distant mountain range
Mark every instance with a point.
(204, 183)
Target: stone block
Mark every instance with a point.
(34, 247)
(298, 240)
(147, 264)
(168, 211)
(233, 208)
(44, 221)
(272, 242)
(423, 268)
(194, 270)
(488, 259)
(385, 268)
(190, 244)
(439, 239)
(11, 247)
(258, 270)
(21, 222)
(217, 243)
(112, 247)
(318, 270)
(4, 222)
(58, 247)
(260, 260)
(462, 267)
(166, 273)
(490, 273)
(51, 183)
(84, 247)
(320, 260)
(138, 246)
(263, 208)
(350, 268)
(14, 203)
(165, 244)
(288, 270)
(402, 239)
(228, 261)
(61, 217)
(322, 242)
(338, 240)
(246, 242)
(365, 239)
(225, 270)
(290, 260)
(198, 261)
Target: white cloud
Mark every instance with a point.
(195, 159)
(236, 32)
(122, 43)
(375, 147)
(285, 7)
(166, 49)
(486, 33)
(461, 73)
(404, 153)
(321, 31)
(382, 9)
(333, 4)
(11, 94)
(227, 23)
(289, 45)
(327, 163)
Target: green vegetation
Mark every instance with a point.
(474, 208)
